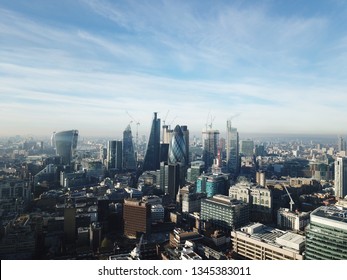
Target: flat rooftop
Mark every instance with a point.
(332, 213)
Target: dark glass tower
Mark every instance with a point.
(152, 157)
(114, 155)
(129, 162)
(65, 143)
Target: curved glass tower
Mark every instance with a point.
(177, 148)
(65, 143)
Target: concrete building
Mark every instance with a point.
(326, 234)
(258, 242)
(191, 202)
(259, 199)
(290, 220)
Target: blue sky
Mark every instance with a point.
(280, 66)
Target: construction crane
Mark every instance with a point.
(136, 252)
(165, 117)
(211, 123)
(291, 202)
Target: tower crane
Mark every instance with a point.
(136, 252)
(291, 203)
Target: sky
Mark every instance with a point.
(271, 66)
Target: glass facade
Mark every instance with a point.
(129, 162)
(177, 148)
(326, 236)
(224, 213)
(65, 143)
(152, 157)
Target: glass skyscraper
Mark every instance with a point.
(152, 157)
(129, 162)
(326, 235)
(210, 152)
(232, 150)
(114, 155)
(65, 143)
(177, 148)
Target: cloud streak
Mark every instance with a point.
(186, 57)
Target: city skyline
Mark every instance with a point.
(96, 66)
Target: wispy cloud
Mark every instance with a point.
(186, 57)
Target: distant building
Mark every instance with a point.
(232, 150)
(114, 155)
(65, 143)
(247, 148)
(341, 177)
(195, 170)
(326, 234)
(210, 147)
(152, 157)
(129, 161)
(224, 213)
(258, 242)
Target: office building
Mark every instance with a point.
(290, 220)
(65, 143)
(247, 148)
(152, 157)
(212, 184)
(259, 242)
(259, 199)
(326, 234)
(129, 161)
(224, 213)
(191, 202)
(232, 150)
(114, 155)
(178, 148)
(210, 147)
(137, 218)
(341, 177)
(195, 170)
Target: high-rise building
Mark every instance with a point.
(129, 161)
(114, 155)
(170, 178)
(186, 139)
(326, 234)
(341, 177)
(177, 148)
(232, 150)
(195, 170)
(247, 148)
(341, 143)
(65, 143)
(152, 157)
(210, 147)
